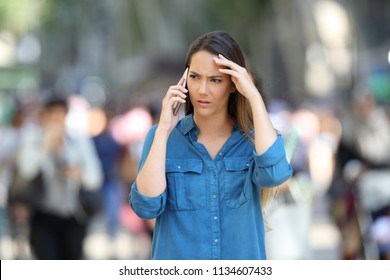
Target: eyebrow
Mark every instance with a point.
(210, 77)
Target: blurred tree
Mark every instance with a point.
(20, 16)
(130, 43)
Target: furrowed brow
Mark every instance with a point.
(210, 77)
(194, 73)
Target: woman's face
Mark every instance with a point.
(209, 89)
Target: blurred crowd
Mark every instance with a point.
(50, 149)
(340, 154)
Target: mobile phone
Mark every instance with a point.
(176, 105)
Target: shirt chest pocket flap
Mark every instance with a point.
(186, 184)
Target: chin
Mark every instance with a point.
(204, 113)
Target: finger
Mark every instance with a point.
(177, 101)
(228, 63)
(178, 92)
(230, 72)
(178, 98)
(174, 102)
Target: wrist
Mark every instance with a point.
(255, 99)
(163, 131)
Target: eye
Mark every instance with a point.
(217, 81)
(193, 76)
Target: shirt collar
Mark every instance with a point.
(186, 124)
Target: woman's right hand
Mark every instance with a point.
(175, 93)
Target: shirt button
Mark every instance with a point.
(215, 218)
(220, 154)
(214, 196)
(178, 167)
(216, 240)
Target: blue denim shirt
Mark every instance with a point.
(210, 208)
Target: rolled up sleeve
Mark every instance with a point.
(271, 167)
(146, 207)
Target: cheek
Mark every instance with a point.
(190, 86)
(192, 89)
(221, 92)
(191, 97)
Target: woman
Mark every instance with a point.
(201, 177)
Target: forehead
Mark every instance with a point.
(202, 62)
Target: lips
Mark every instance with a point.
(203, 104)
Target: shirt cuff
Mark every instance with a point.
(272, 155)
(144, 206)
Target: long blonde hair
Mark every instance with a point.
(239, 109)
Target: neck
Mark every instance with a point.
(214, 126)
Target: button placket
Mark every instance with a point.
(214, 214)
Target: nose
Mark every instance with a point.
(202, 90)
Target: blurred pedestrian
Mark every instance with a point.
(111, 154)
(359, 193)
(58, 165)
(201, 176)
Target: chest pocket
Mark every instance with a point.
(237, 192)
(186, 185)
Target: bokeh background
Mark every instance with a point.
(325, 70)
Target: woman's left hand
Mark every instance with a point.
(240, 77)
